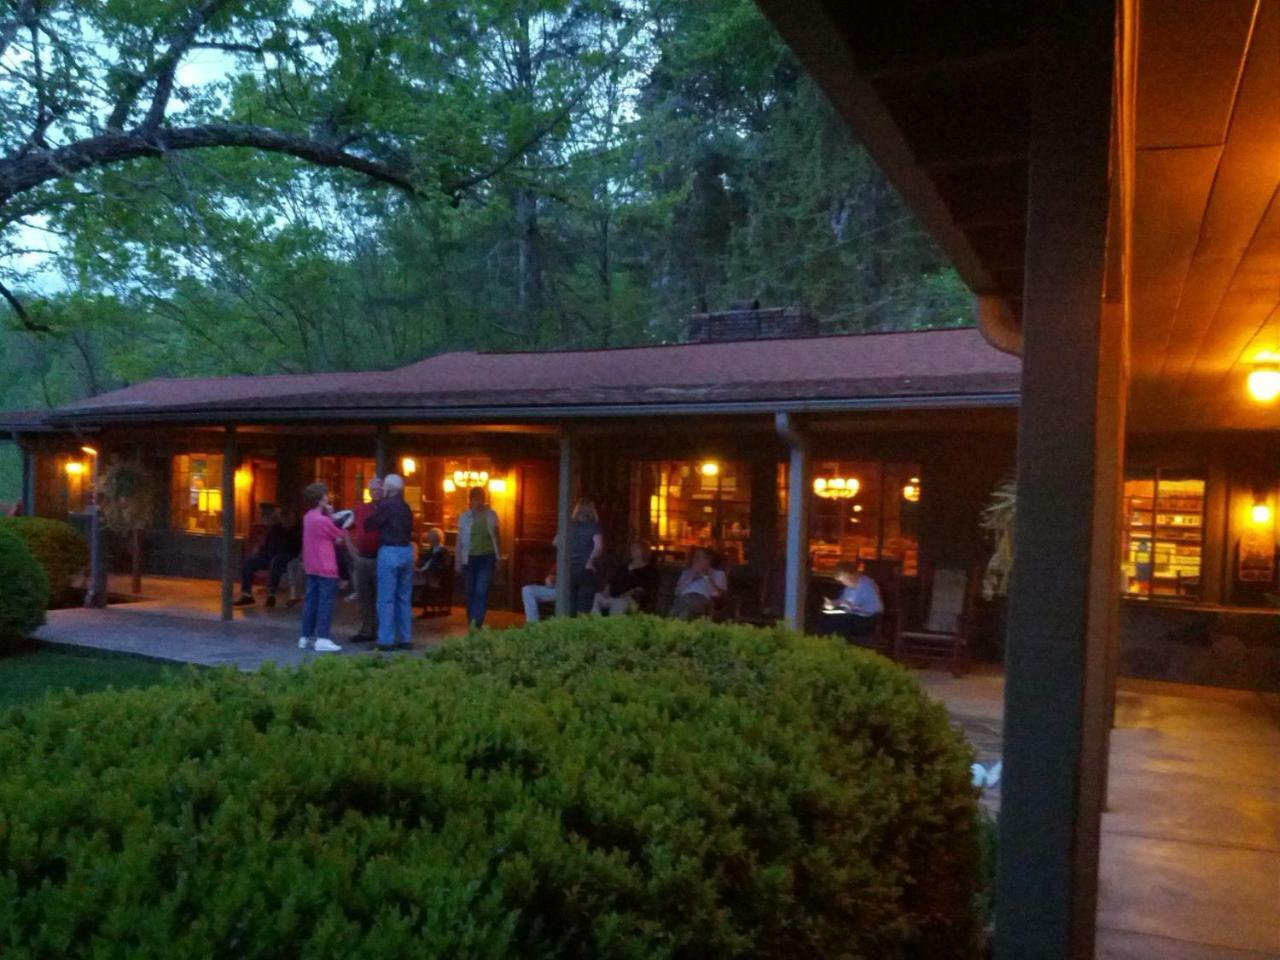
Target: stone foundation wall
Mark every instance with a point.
(1215, 646)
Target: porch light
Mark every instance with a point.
(709, 468)
(911, 490)
(244, 478)
(1264, 380)
(90, 451)
(498, 485)
(74, 468)
(836, 488)
(408, 466)
(1260, 514)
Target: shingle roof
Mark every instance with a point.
(911, 366)
(25, 421)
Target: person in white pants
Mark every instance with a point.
(535, 593)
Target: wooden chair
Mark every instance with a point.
(435, 592)
(950, 598)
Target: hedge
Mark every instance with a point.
(24, 591)
(59, 547)
(592, 788)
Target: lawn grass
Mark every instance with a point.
(30, 671)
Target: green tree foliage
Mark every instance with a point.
(24, 590)
(422, 176)
(631, 788)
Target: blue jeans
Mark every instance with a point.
(395, 588)
(317, 606)
(477, 575)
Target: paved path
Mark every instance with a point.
(1191, 838)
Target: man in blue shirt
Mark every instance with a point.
(856, 611)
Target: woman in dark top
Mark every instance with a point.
(586, 544)
(632, 586)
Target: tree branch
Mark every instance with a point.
(162, 70)
(24, 318)
(20, 174)
(23, 15)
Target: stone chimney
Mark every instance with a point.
(747, 320)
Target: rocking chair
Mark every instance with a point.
(944, 639)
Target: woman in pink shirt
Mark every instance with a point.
(320, 536)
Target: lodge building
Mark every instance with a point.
(901, 440)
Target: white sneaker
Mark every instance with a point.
(327, 646)
(303, 643)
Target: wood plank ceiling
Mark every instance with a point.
(938, 91)
(1206, 246)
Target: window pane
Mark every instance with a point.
(678, 505)
(196, 493)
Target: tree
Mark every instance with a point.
(383, 90)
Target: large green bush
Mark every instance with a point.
(59, 547)
(24, 592)
(591, 788)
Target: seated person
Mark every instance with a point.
(854, 613)
(435, 558)
(532, 594)
(433, 562)
(282, 542)
(698, 588)
(632, 584)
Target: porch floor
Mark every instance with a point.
(179, 619)
(1190, 859)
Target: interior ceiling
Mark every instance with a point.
(938, 91)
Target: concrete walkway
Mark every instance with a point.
(1190, 860)
(1191, 837)
(177, 619)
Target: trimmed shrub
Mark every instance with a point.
(24, 592)
(58, 546)
(590, 788)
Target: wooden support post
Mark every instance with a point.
(1070, 440)
(96, 595)
(564, 501)
(28, 479)
(797, 575)
(382, 451)
(228, 521)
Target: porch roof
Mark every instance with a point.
(955, 367)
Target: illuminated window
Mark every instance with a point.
(1163, 534)
(681, 504)
(865, 510)
(196, 494)
(346, 477)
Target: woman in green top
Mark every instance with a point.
(477, 555)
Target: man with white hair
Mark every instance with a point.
(392, 520)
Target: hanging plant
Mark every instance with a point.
(998, 519)
(128, 506)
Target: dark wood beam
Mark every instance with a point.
(1070, 449)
